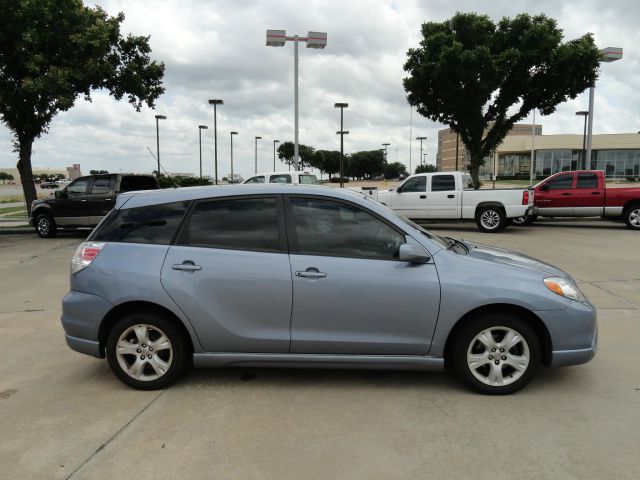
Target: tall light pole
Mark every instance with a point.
(274, 154)
(341, 106)
(385, 145)
(200, 128)
(424, 158)
(215, 102)
(231, 180)
(278, 38)
(583, 160)
(158, 117)
(457, 146)
(609, 54)
(421, 139)
(256, 158)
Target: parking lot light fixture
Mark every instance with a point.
(256, 154)
(278, 38)
(274, 154)
(232, 134)
(385, 145)
(200, 128)
(158, 117)
(215, 102)
(341, 106)
(583, 161)
(421, 139)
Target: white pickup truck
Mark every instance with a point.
(450, 195)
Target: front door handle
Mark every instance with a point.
(595, 193)
(423, 197)
(566, 194)
(311, 272)
(187, 266)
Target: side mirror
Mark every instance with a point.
(413, 253)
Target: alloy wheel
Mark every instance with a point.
(144, 352)
(490, 219)
(44, 226)
(634, 218)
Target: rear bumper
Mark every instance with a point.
(82, 314)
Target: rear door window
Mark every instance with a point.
(153, 224)
(239, 224)
(285, 178)
(443, 183)
(587, 180)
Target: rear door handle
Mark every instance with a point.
(566, 194)
(311, 272)
(187, 266)
(423, 197)
(451, 196)
(595, 193)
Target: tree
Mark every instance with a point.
(394, 170)
(366, 164)
(480, 78)
(97, 172)
(426, 168)
(327, 161)
(52, 52)
(285, 153)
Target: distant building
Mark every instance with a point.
(73, 171)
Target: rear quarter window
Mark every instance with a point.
(131, 183)
(154, 224)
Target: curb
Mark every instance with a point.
(16, 231)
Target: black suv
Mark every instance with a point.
(84, 201)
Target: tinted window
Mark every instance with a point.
(248, 224)
(442, 183)
(414, 184)
(101, 185)
(561, 182)
(587, 180)
(79, 186)
(280, 178)
(130, 183)
(467, 181)
(308, 179)
(324, 227)
(155, 224)
(259, 179)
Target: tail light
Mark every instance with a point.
(525, 197)
(85, 254)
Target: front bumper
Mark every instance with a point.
(573, 333)
(82, 314)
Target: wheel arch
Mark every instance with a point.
(527, 315)
(631, 203)
(491, 203)
(117, 312)
(42, 209)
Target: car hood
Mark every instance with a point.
(507, 257)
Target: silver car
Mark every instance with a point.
(311, 276)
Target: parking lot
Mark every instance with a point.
(64, 415)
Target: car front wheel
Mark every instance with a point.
(496, 354)
(45, 226)
(147, 352)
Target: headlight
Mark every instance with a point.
(564, 288)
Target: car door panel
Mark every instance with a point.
(443, 199)
(558, 199)
(410, 199)
(588, 198)
(70, 206)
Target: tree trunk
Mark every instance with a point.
(26, 175)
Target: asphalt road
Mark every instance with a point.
(64, 415)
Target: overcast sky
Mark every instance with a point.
(216, 49)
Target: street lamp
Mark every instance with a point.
(342, 133)
(232, 134)
(200, 128)
(274, 154)
(278, 38)
(583, 161)
(421, 139)
(256, 149)
(215, 103)
(385, 145)
(341, 106)
(158, 117)
(608, 55)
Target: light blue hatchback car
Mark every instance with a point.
(311, 276)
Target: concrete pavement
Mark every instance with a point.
(64, 415)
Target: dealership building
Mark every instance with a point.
(618, 154)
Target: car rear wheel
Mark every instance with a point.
(45, 226)
(496, 354)
(147, 352)
(491, 219)
(632, 217)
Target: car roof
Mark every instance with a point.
(283, 172)
(143, 198)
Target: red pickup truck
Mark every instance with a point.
(583, 193)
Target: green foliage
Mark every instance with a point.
(480, 78)
(394, 170)
(285, 153)
(328, 161)
(366, 164)
(171, 182)
(4, 176)
(97, 172)
(54, 51)
(426, 168)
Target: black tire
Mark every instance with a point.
(511, 380)
(526, 220)
(178, 357)
(632, 217)
(491, 219)
(45, 226)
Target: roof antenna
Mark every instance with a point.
(175, 185)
